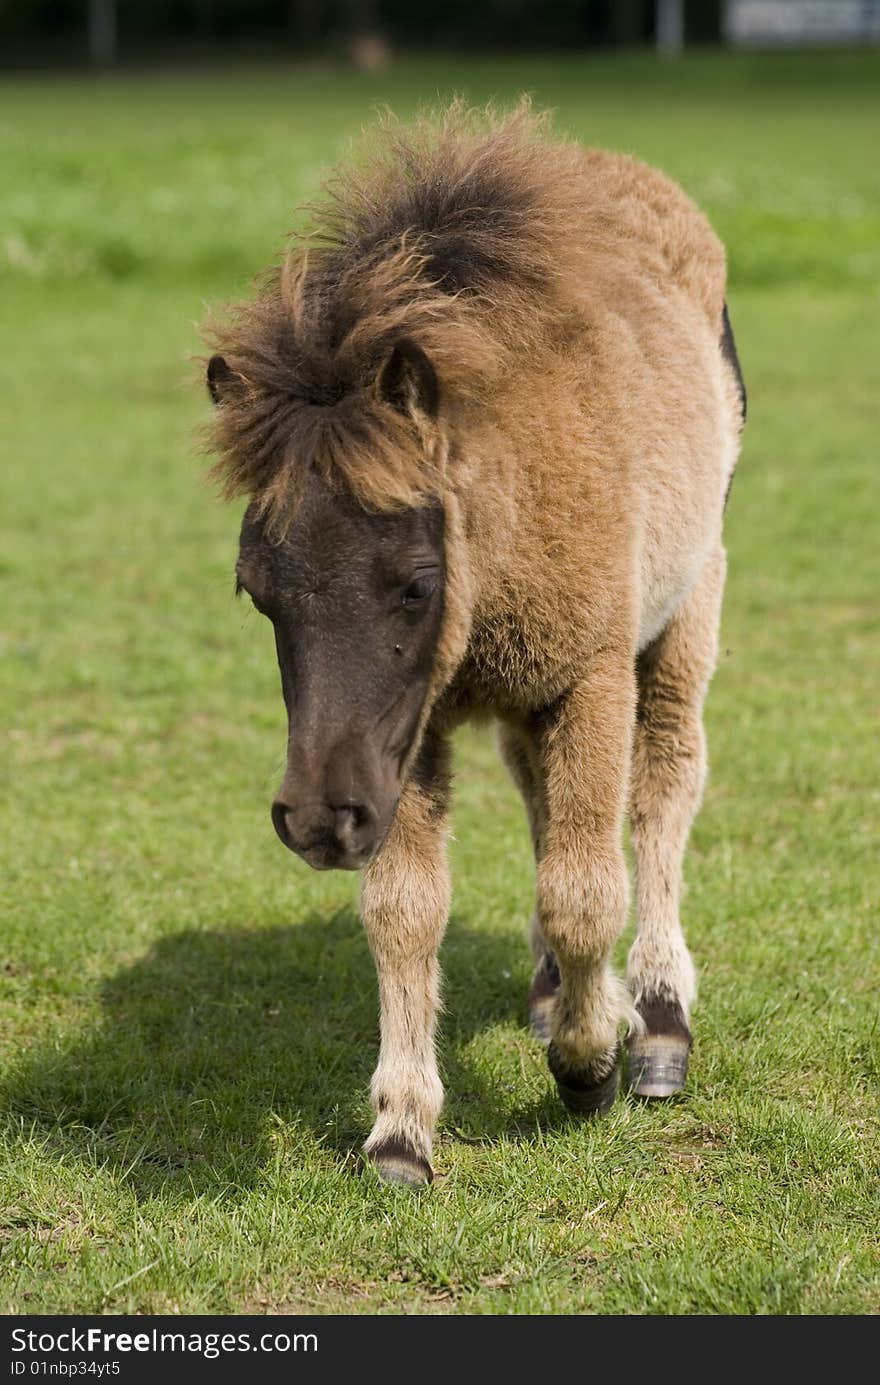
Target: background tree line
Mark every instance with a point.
(110, 28)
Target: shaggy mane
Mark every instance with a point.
(456, 235)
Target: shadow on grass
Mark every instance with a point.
(213, 1033)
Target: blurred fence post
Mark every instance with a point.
(102, 32)
(670, 27)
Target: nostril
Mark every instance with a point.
(352, 825)
(279, 821)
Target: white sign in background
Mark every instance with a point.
(792, 22)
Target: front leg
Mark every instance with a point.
(582, 886)
(404, 907)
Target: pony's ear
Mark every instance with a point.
(221, 380)
(408, 381)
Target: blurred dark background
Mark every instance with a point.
(367, 33)
(46, 32)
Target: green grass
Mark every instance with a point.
(188, 1015)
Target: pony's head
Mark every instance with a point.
(355, 595)
(346, 394)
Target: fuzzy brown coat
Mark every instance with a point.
(571, 304)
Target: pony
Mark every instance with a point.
(486, 415)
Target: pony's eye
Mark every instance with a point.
(419, 589)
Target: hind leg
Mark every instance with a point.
(666, 784)
(520, 748)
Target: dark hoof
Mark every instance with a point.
(397, 1162)
(658, 1065)
(542, 995)
(585, 1094)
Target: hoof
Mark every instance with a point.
(542, 995)
(584, 1094)
(397, 1162)
(658, 1059)
(658, 1065)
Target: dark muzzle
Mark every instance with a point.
(328, 836)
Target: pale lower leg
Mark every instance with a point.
(668, 773)
(405, 904)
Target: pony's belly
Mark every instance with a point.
(664, 591)
(656, 619)
(684, 523)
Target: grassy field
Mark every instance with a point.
(187, 1014)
